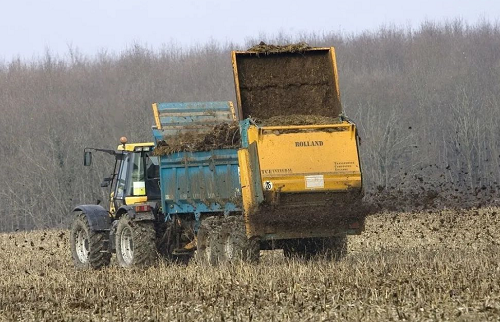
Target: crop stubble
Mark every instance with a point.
(441, 265)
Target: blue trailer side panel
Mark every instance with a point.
(200, 182)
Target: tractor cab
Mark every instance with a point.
(138, 177)
(135, 179)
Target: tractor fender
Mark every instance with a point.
(97, 216)
(135, 216)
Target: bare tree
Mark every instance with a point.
(427, 101)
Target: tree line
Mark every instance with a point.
(426, 100)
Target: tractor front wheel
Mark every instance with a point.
(89, 248)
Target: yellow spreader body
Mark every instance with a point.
(298, 181)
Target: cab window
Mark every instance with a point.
(137, 184)
(122, 178)
(138, 176)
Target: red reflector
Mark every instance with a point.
(142, 208)
(354, 225)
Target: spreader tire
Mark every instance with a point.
(209, 248)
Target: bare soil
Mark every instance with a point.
(222, 136)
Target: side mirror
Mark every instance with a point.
(87, 158)
(105, 182)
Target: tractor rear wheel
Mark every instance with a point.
(135, 243)
(89, 248)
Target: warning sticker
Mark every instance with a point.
(314, 182)
(139, 188)
(268, 185)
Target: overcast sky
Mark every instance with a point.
(29, 27)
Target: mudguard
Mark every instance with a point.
(135, 216)
(97, 216)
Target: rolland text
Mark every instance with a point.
(308, 143)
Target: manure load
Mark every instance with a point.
(283, 81)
